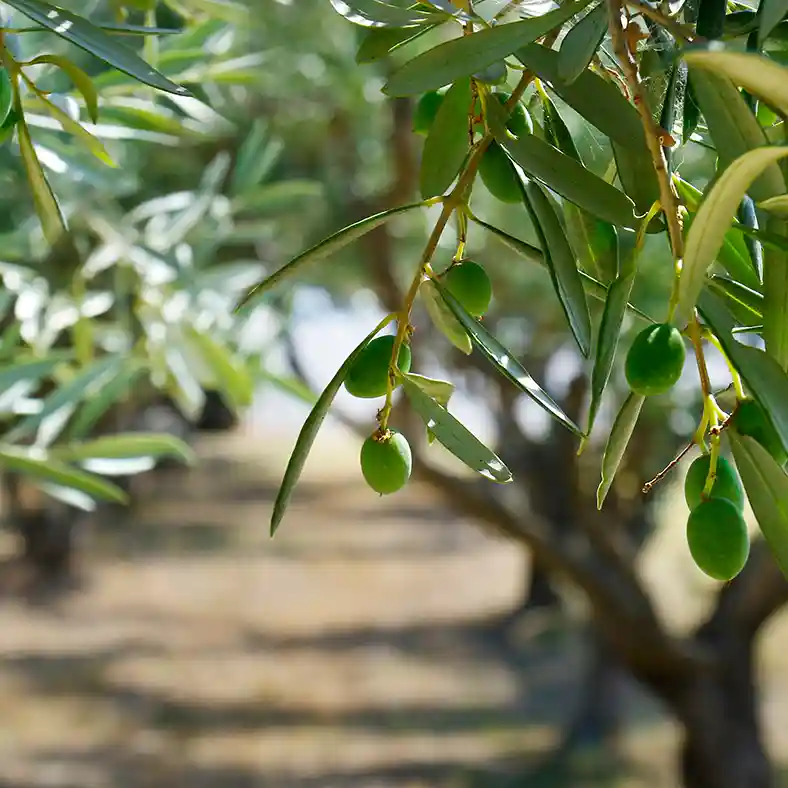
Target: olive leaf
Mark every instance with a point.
(446, 145)
(466, 55)
(129, 445)
(504, 361)
(443, 319)
(455, 437)
(767, 490)
(375, 13)
(78, 30)
(314, 421)
(617, 443)
(323, 249)
(581, 43)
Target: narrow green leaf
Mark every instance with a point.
(595, 242)
(568, 178)
(52, 222)
(765, 379)
(714, 218)
(775, 295)
(67, 395)
(581, 43)
(439, 390)
(31, 462)
(374, 13)
(446, 145)
(592, 286)
(82, 82)
(636, 175)
(31, 370)
(115, 389)
(326, 247)
(92, 39)
(757, 74)
(561, 263)
(76, 129)
(767, 490)
(231, 375)
(466, 55)
(382, 41)
(607, 341)
(733, 128)
(455, 437)
(617, 443)
(443, 319)
(771, 13)
(505, 362)
(733, 254)
(744, 304)
(776, 205)
(310, 429)
(127, 445)
(596, 99)
(6, 95)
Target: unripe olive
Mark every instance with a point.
(368, 377)
(386, 462)
(498, 175)
(519, 122)
(718, 539)
(426, 109)
(469, 284)
(750, 419)
(726, 484)
(655, 360)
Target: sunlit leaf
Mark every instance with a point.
(504, 361)
(455, 437)
(757, 74)
(767, 491)
(446, 145)
(326, 247)
(231, 376)
(34, 463)
(76, 129)
(127, 446)
(714, 217)
(744, 304)
(617, 443)
(375, 13)
(765, 379)
(87, 36)
(52, 222)
(465, 55)
(439, 390)
(309, 432)
(81, 80)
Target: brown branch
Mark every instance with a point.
(654, 134)
(683, 32)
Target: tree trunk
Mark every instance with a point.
(722, 745)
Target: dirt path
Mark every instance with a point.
(350, 652)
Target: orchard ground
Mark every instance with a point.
(349, 652)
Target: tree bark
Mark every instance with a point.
(723, 747)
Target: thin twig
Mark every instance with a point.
(654, 134)
(648, 486)
(684, 32)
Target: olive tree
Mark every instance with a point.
(502, 96)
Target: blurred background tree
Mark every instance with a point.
(284, 139)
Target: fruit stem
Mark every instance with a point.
(735, 377)
(697, 344)
(712, 475)
(457, 198)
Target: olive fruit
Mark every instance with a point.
(499, 176)
(386, 462)
(426, 110)
(718, 539)
(750, 419)
(726, 484)
(519, 121)
(469, 284)
(655, 360)
(368, 377)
